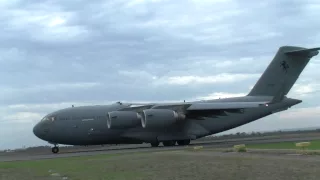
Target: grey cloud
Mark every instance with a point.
(109, 49)
(117, 91)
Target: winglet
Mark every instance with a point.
(304, 52)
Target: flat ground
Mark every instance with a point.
(178, 164)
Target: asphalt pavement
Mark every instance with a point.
(21, 156)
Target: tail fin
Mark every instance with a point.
(283, 71)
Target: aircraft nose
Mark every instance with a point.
(37, 130)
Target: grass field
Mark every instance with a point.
(315, 145)
(178, 165)
(84, 167)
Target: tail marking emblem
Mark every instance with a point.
(284, 66)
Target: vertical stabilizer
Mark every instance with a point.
(283, 71)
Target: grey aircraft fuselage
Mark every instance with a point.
(88, 125)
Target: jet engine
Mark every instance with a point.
(123, 119)
(154, 118)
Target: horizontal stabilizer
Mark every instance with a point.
(225, 105)
(304, 52)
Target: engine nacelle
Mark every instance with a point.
(123, 119)
(154, 118)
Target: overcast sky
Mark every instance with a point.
(57, 53)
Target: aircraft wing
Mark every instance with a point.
(199, 110)
(216, 109)
(225, 105)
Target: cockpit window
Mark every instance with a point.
(50, 118)
(44, 119)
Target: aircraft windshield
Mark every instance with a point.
(50, 118)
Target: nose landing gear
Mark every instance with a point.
(55, 149)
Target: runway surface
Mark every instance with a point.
(22, 156)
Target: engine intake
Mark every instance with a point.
(154, 118)
(123, 119)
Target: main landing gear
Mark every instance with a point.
(172, 143)
(55, 149)
(155, 144)
(183, 142)
(169, 143)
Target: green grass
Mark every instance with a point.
(84, 167)
(315, 145)
(178, 165)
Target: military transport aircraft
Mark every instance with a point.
(177, 123)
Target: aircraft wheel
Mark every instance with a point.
(169, 143)
(180, 142)
(187, 142)
(183, 142)
(155, 144)
(55, 149)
